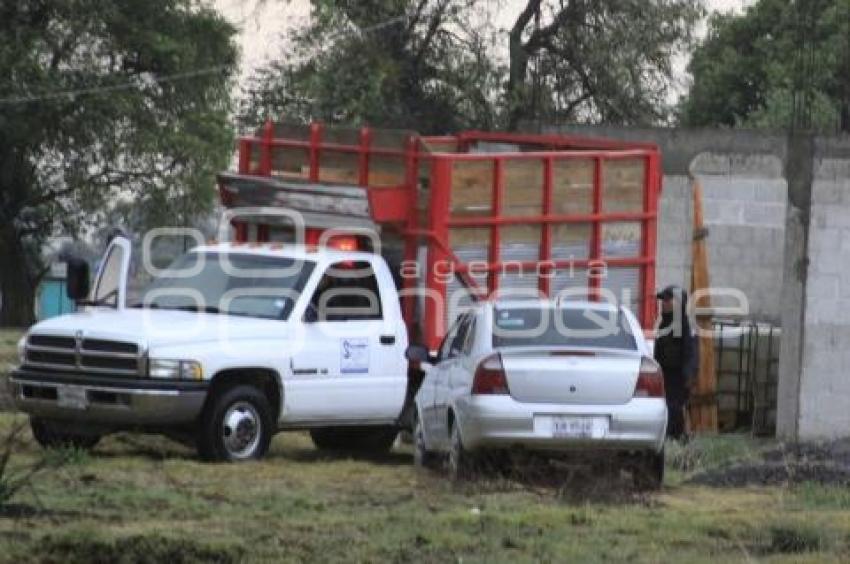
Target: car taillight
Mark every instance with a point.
(650, 382)
(490, 377)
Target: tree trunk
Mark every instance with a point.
(17, 287)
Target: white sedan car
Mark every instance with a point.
(542, 376)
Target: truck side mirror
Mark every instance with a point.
(77, 287)
(419, 353)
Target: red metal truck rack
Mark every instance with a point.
(494, 212)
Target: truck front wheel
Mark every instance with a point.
(53, 434)
(236, 425)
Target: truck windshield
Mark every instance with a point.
(233, 284)
(570, 327)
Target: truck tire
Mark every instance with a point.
(236, 425)
(50, 434)
(361, 440)
(648, 471)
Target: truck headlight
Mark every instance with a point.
(168, 369)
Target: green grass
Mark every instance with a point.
(139, 498)
(8, 341)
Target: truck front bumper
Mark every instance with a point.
(110, 401)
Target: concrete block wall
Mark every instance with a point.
(744, 210)
(675, 229)
(824, 388)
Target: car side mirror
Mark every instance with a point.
(77, 286)
(419, 353)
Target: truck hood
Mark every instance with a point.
(150, 327)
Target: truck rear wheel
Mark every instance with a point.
(236, 425)
(52, 434)
(369, 440)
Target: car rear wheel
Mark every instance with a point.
(50, 434)
(460, 463)
(236, 426)
(422, 457)
(648, 472)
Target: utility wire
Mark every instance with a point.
(55, 95)
(131, 85)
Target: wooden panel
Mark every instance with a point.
(520, 234)
(523, 193)
(472, 188)
(571, 240)
(621, 239)
(622, 185)
(478, 237)
(572, 186)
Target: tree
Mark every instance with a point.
(602, 62)
(105, 105)
(434, 65)
(415, 64)
(780, 63)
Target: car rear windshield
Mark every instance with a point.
(570, 327)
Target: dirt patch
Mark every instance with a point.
(823, 463)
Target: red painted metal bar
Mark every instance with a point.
(545, 284)
(266, 148)
(554, 141)
(594, 280)
(408, 303)
(651, 189)
(524, 265)
(495, 237)
(315, 150)
(435, 303)
(363, 156)
(552, 218)
(262, 233)
(244, 156)
(241, 232)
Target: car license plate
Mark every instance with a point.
(72, 397)
(579, 427)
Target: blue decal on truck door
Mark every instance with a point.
(354, 356)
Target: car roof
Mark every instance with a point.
(548, 303)
(285, 250)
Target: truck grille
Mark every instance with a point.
(83, 355)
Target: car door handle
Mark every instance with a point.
(387, 339)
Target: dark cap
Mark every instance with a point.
(668, 293)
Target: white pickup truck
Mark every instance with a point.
(228, 346)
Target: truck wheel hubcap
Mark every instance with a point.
(241, 430)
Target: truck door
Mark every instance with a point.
(110, 282)
(351, 366)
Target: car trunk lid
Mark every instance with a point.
(566, 376)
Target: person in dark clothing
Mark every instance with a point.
(676, 352)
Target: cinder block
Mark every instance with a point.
(764, 214)
(711, 164)
(832, 169)
(827, 192)
(772, 191)
(836, 215)
(723, 211)
(754, 165)
(823, 286)
(729, 188)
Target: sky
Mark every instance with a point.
(263, 25)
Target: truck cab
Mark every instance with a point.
(229, 345)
